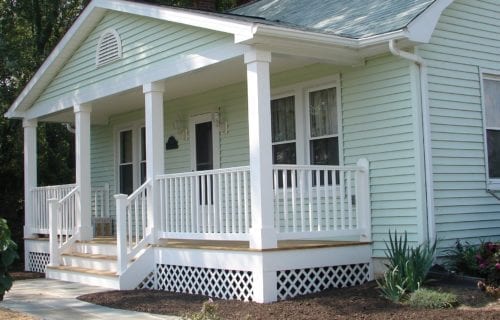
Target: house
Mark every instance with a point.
(264, 153)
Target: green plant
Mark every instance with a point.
(208, 312)
(8, 254)
(392, 285)
(407, 267)
(488, 260)
(462, 259)
(426, 298)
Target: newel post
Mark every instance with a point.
(121, 232)
(53, 241)
(363, 201)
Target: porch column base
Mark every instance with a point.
(28, 233)
(264, 286)
(263, 238)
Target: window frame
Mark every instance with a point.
(281, 96)
(487, 74)
(301, 92)
(135, 127)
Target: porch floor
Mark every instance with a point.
(234, 245)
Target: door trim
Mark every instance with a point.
(193, 121)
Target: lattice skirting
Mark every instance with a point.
(38, 261)
(217, 283)
(297, 282)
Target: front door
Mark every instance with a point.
(205, 149)
(131, 158)
(204, 143)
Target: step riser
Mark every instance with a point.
(92, 248)
(89, 263)
(95, 280)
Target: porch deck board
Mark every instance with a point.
(244, 245)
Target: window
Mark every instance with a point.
(323, 127)
(131, 158)
(491, 91)
(283, 130)
(305, 127)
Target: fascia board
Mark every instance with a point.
(422, 27)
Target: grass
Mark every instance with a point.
(432, 299)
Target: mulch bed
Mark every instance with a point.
(361, 302)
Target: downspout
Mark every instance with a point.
(426, 128)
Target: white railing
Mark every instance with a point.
(39, 217)
(100, 201)
(131, 224)
(321, 201)
(213, 204)
(63, 215)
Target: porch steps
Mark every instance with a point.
(91, 262)
(100, 278)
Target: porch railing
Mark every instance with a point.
(212, 205)
(39, 217)
(63, 215)
(131, 223)
(321, 201)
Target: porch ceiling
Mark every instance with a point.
(202, 80)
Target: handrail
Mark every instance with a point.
(139, 190)
(55, 187)
(73, 191)
(316, 167)
(201, 172)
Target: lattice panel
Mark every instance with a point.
(37, 261)
(217, 283)
(148, 282)
(297, 282)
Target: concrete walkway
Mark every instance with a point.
(53, 299)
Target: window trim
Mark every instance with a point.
(135, 127)
(301, 91)
(487, 74)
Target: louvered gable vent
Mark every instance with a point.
(109, 48)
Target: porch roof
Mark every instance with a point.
(275, 25)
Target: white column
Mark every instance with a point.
(262, 233)
(82, 157)
(30, 173)
(155, 144)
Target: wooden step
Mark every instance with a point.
(99, 278)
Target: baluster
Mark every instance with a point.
(233, 205)
(226, 199)
(240, 212)
(310, 198)
(302, 210)
(294, 209)
(276, 200)
(219, 201)
(318, 198)
(342, 199)
(349, 197)
(186, 204)
(203, 204)
(245, 190)
(193, 204)
(181, 204)
(327, 200)
(284, 178)
(209, 202)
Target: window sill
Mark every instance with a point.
(493, 185)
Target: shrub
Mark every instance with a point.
(462, 259)
(425, 298)
(208, 312)
(407, 267)
(488, 261)
(8, 254)
(392, 285)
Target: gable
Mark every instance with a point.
(146, 43)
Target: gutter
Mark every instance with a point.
(424, 102)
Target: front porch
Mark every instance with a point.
(203, 225)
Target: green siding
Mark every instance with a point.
(378, 125)
(145, 42)
(466, 39)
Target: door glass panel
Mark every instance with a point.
(126, 146)
(126, 179)
(204, 147)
